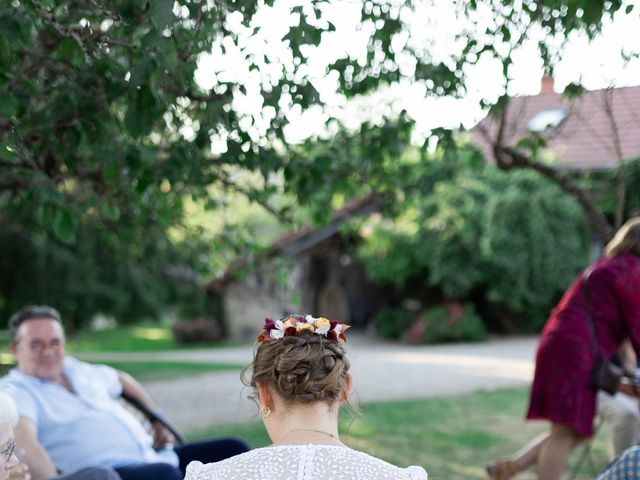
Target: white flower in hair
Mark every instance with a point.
(322, 325)
(277, 332)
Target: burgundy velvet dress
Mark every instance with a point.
(560, 391)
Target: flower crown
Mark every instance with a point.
(292, 325)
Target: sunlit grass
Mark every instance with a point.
(139, 338)
(7, 359)
(165, 370)
(152, 333)
(151, 371)
(134, 338)
(452, 437)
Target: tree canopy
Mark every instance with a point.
(510, 241)
(108, 124)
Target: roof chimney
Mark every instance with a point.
(546, 85)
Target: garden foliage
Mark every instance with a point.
(448, 322)
(106, 136)
(452, 322)
(513, 237)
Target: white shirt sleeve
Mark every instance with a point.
(24, 401)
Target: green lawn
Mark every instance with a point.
(141, 338)
(129, 339)
(153, 370)
(166, 370)
(452, 437)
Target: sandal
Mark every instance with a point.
(502, 469)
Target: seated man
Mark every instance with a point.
(69, 418)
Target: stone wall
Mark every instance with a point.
(269, 291)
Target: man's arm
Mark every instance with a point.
(36, 457)
(132, 388)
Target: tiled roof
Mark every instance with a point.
(586, 139)
(298, 241)
(355, 207)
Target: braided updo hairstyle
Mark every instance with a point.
(303, 368)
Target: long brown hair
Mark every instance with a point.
(627, 239)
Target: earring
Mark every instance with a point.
(265, 411)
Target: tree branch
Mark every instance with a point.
(253, 197)
(622, 174)
(7, 164)
(61, 30)
(185, 53)
(14, 184)
(511, 158)
(197, 97)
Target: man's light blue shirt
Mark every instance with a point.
(87, 427)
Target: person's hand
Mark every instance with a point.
(162, 436)
(20, 472)
(628, 388)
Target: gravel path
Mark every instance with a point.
(381, 371)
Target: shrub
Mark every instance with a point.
(200, 330)
(452, 322)
(512, 239)
(392, 323)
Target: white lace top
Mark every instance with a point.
(303, 462)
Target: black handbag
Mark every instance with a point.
(605, 375)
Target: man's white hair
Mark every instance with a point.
(8, 413)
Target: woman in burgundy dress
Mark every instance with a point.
(561, 392)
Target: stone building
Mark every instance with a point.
(311, 270)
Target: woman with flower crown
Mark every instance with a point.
(301, 377)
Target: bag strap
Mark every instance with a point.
(587, 309)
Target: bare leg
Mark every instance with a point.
(519, 461)
(528, 455)
(555, 451)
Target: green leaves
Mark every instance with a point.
(9, 107)
(64, 225)
(142, 71)
(44, 214)
(105, 128)
(70, 51)
(7, 152)
(110, 212)
(143, 112)
(573, 90)
(111, 173)
(512, 238)
(161, 12)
